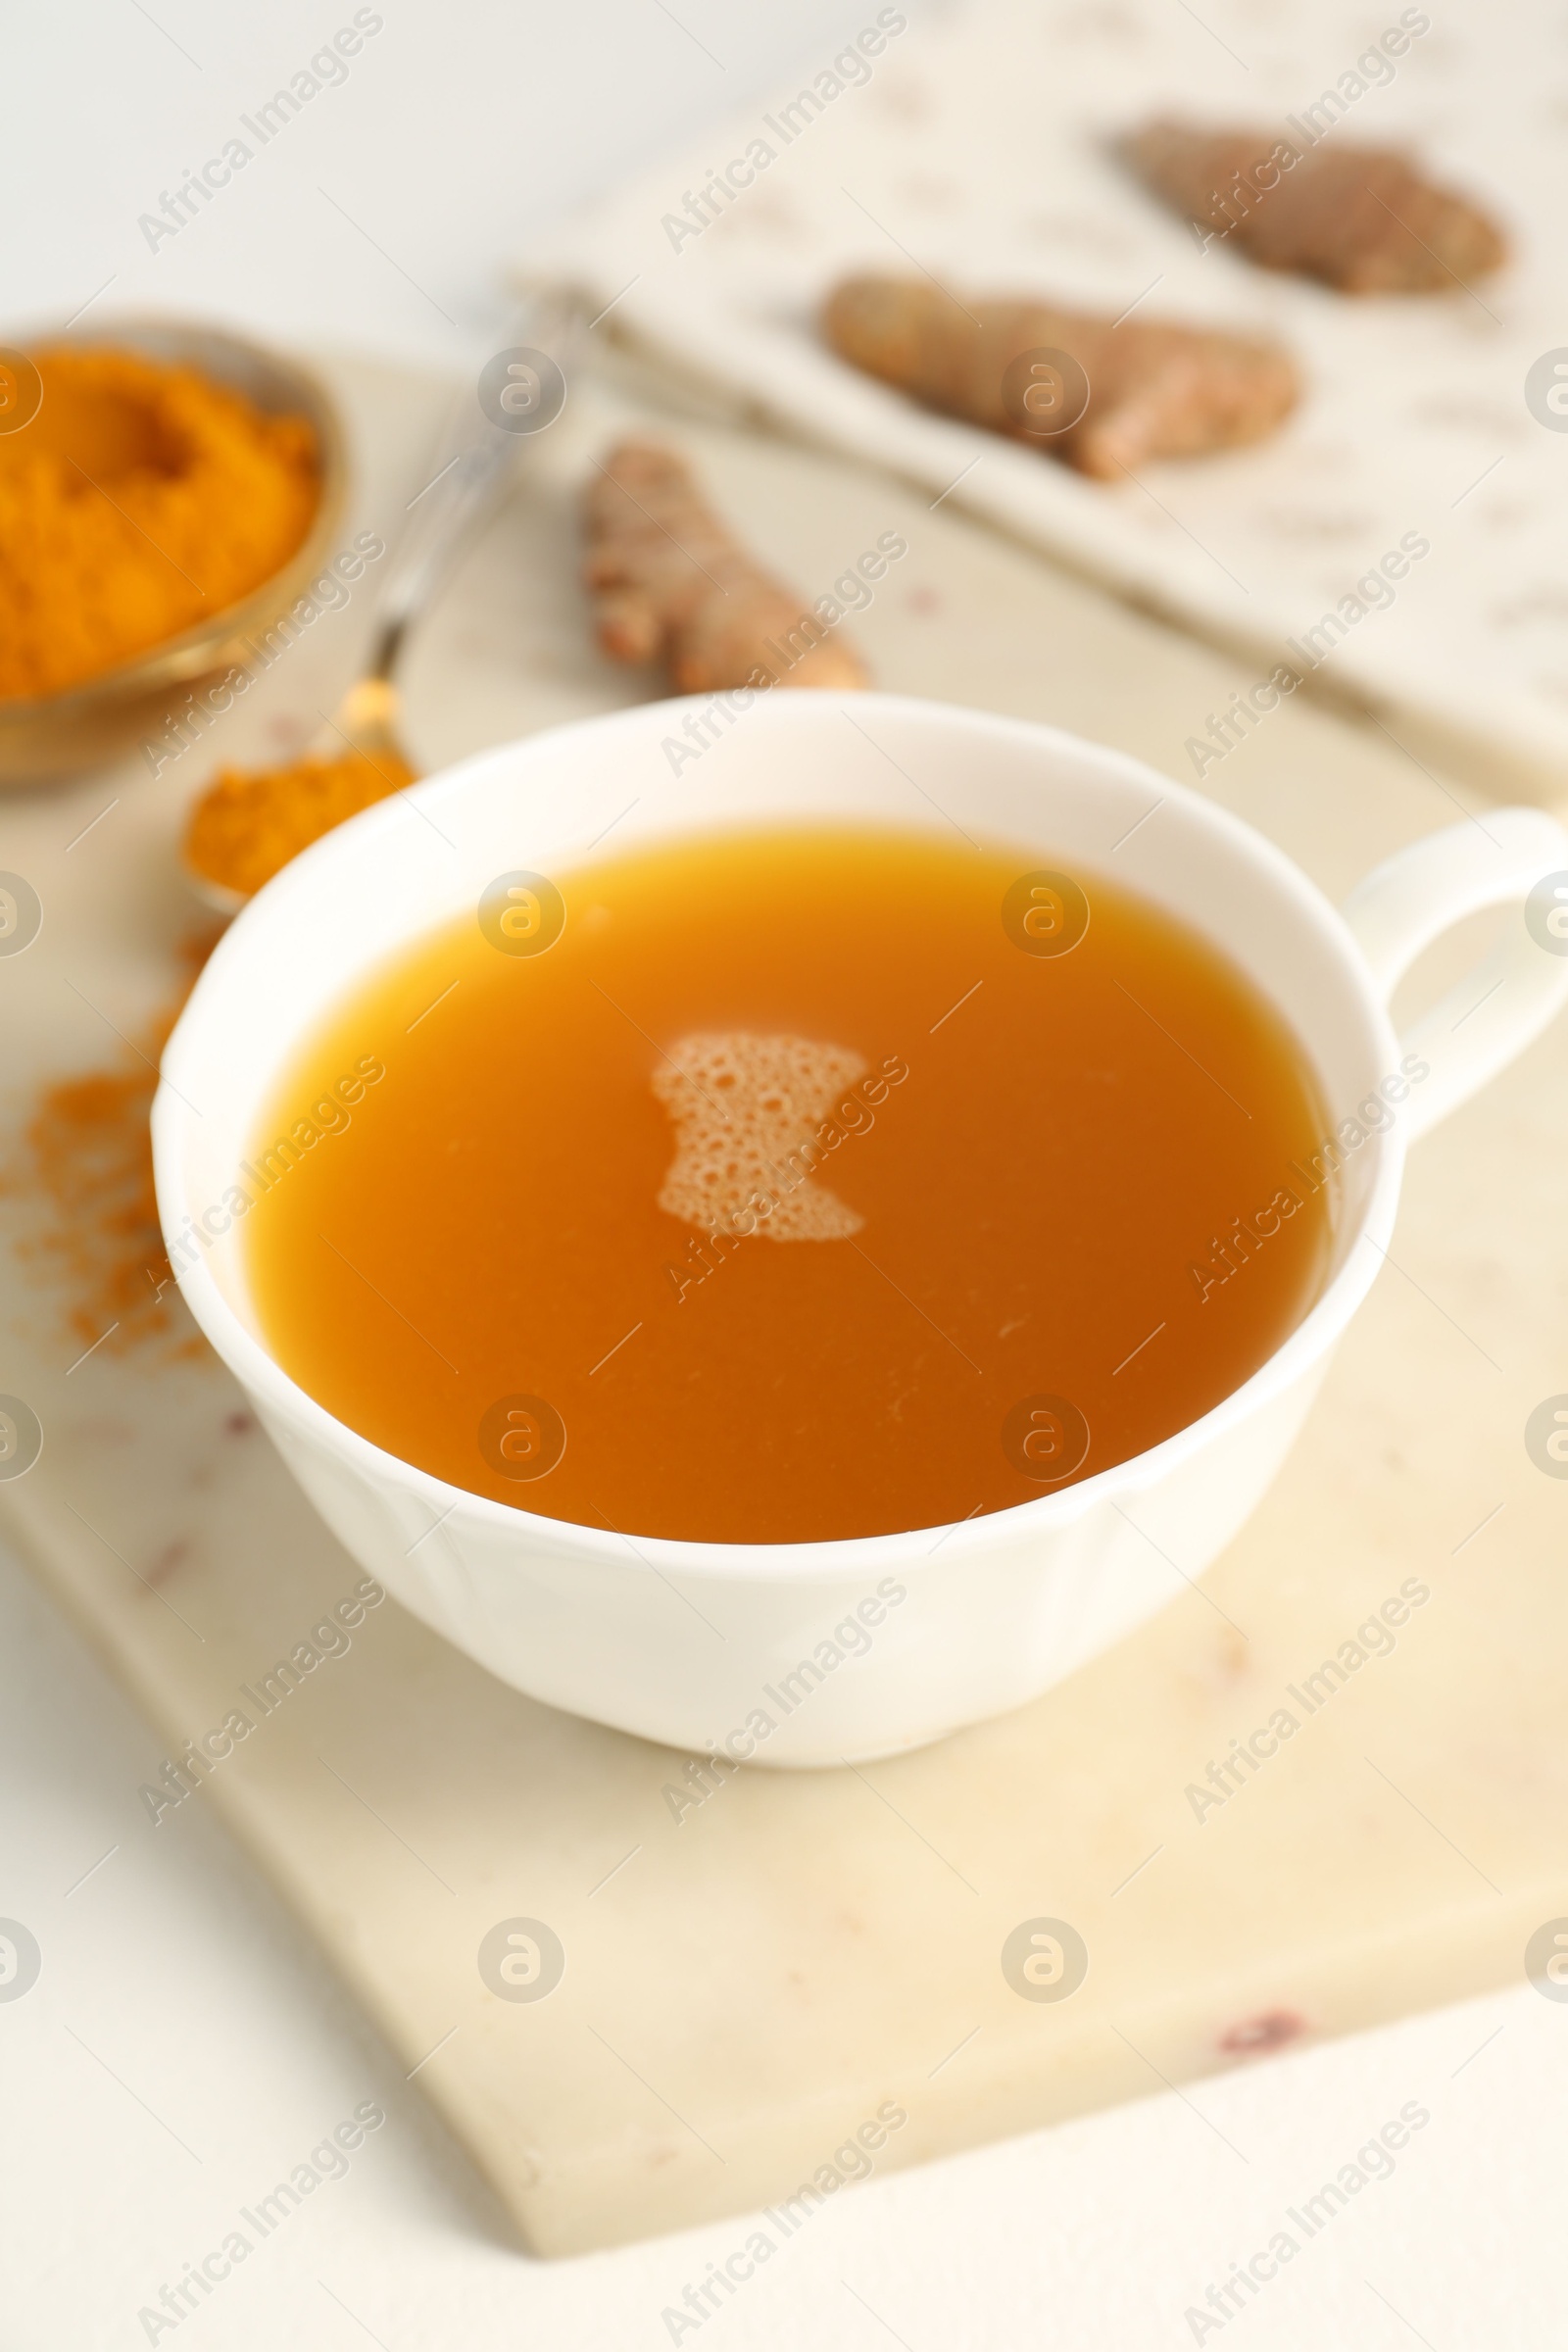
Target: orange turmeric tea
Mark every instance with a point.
(786, 1185)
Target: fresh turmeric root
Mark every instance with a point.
(1130, 389)
(671, 583)
(1361, 218)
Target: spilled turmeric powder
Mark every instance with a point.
(141, 499)
(247, 825)
(82, 1178)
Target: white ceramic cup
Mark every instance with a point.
(732, 1647)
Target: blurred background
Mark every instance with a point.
(456, 138)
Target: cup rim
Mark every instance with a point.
(275, 1391)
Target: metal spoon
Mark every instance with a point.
(474, 459)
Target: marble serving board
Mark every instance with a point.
(775, 1983)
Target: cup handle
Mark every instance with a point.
(1516, 856)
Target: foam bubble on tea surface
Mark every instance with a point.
(746, 1111)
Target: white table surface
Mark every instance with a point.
(185, 2047)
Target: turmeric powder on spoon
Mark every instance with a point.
(250, 823)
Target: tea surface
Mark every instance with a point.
(791, 1185)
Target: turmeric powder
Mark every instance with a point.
(141, 499)
(83, 1170)
(247, 825)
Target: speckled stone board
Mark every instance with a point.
(757, 1989)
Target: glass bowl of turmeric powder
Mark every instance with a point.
(162, 505)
